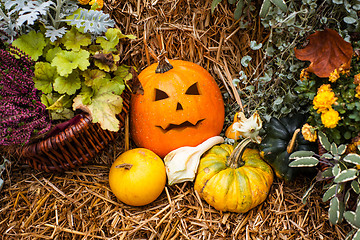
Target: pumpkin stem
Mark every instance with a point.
(291, 145)
(234, 160)
(127, 166)
(164, 64)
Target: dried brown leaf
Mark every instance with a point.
(326, 51)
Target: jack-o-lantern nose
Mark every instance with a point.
(179, 107)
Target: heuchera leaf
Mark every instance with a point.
(32, 44)
(68, 84)
(103, 109)
(73, 39)
(67, 61)
(326, 51)
(91, 75)
(44, 76)
(111, 40)
(51, 53)
(105, 104)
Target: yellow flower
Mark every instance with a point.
(309, 133)
(324, 99)
(334, 76)
(84, 2)
(330, 118)
(357, 79)
(304, 75)
(357, 89)
(99, 2)
(324, 88)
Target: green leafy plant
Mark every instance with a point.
(75, 72)
(339, 168)
(18, 17)
(344, 125)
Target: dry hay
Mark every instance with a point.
(78, 204)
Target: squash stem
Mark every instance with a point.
(291, 145)
(234, 160)
(164, 64)
(127, 166)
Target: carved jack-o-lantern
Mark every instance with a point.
(181, 105)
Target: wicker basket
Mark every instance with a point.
(74, 146)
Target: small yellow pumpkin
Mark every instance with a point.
(137, 177)
(229, 182)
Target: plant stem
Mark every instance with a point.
(234, 160)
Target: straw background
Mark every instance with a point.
(78, 204)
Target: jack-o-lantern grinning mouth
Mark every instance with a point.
(185, 124)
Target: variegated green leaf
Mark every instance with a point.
(334, 149)
(330, 193)
(327, 156)
(336, 170)
(355, 186)
(307, 193)
(265, 7)
(304, 162)
(214, 5)
(336, 211)
(238, 10)
(357, 215)
(342, 149)
(350, 218)
(300, 154)
(324, 141)
(280, 4)
(346, 175)
(352, 158)
(356, 235)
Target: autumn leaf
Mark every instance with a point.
(326, 51)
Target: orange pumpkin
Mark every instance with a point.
(181, 105)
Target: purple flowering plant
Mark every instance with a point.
(21, 112)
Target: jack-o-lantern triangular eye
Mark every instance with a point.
(193, 90)
(160, 95)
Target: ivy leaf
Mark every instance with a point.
(32, 44)
(68, 84)
(326, 51)
(67, 61)
(73, 39)
(44, 76)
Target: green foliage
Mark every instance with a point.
(18, 17)
(347, 103)
(74, 76)
(340, 171)
(269, 83)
